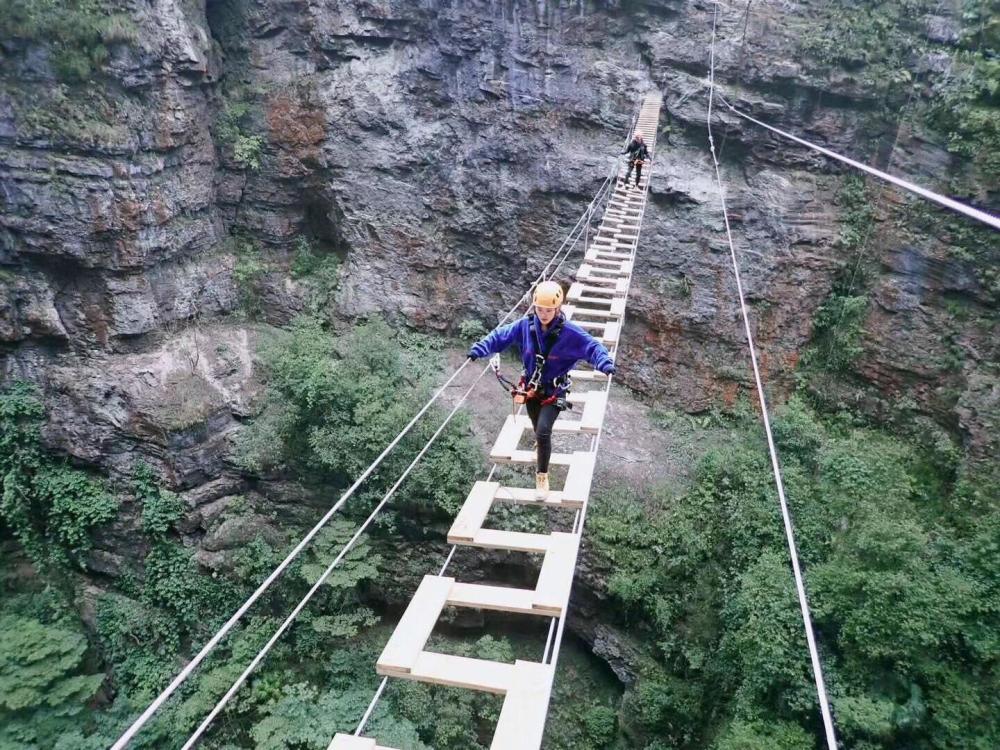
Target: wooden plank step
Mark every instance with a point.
(512, 431)
(462, 672)
(605, 253)
(577, 313)
(496, 598)
(528, 457)
(350, 742)
(525, 707)
(556, 576)
(577, 289)
(579, 477)
(587, 375)
(401, 653)
(608, 331)
(515, 541)
(596, 301)
(616, 284)
(589, 273)
(526, 496)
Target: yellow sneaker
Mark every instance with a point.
(541, 486)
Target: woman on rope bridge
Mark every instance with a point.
(550, 347)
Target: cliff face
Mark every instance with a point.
(439, 151)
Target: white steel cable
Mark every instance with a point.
(371, 707)
(831, 738)
(192, 665)
(954, 205)
(319, 582)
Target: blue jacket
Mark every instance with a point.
(572, 345)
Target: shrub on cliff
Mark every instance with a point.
(51, 508)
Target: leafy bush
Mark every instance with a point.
(471, 330)
(232, 129)
(334, 403)
(41, 682)
(900, 588)
(51, 508)
(161, 509)
(320, 271)
(249, 274)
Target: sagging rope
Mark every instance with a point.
(950, 203)
(564, 250)
(831, 738)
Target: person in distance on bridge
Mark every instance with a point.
(638, 153)
(550, 347)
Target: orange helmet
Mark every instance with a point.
(548, 294)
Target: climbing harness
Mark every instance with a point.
(527, 389)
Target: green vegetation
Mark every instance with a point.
(249, 274)
(43, 682)
(874, 39)
(233, 130)
(50, 507)
(966, 105)
(901, 565)
(78, 32)
(332, 404)
(319, 271)
(879, 43)
(838, 325)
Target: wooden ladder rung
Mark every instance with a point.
(507, 441)
(611, 333)
(587, 375)
(528, 457)
(600, 253)
(577, 289)
(526, 496)
(592, 275)
(525, 707)
(514, 426)
(579, 477)
(462, 672)
(516, 541)
(406, 643)
(497, 598)
(574, 312)
(608, 330)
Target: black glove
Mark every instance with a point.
(609, 370)
(472, 357)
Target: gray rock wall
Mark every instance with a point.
(441, 150)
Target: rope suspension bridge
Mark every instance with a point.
(596, 301)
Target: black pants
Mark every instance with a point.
(542, 418)
(637, 163)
